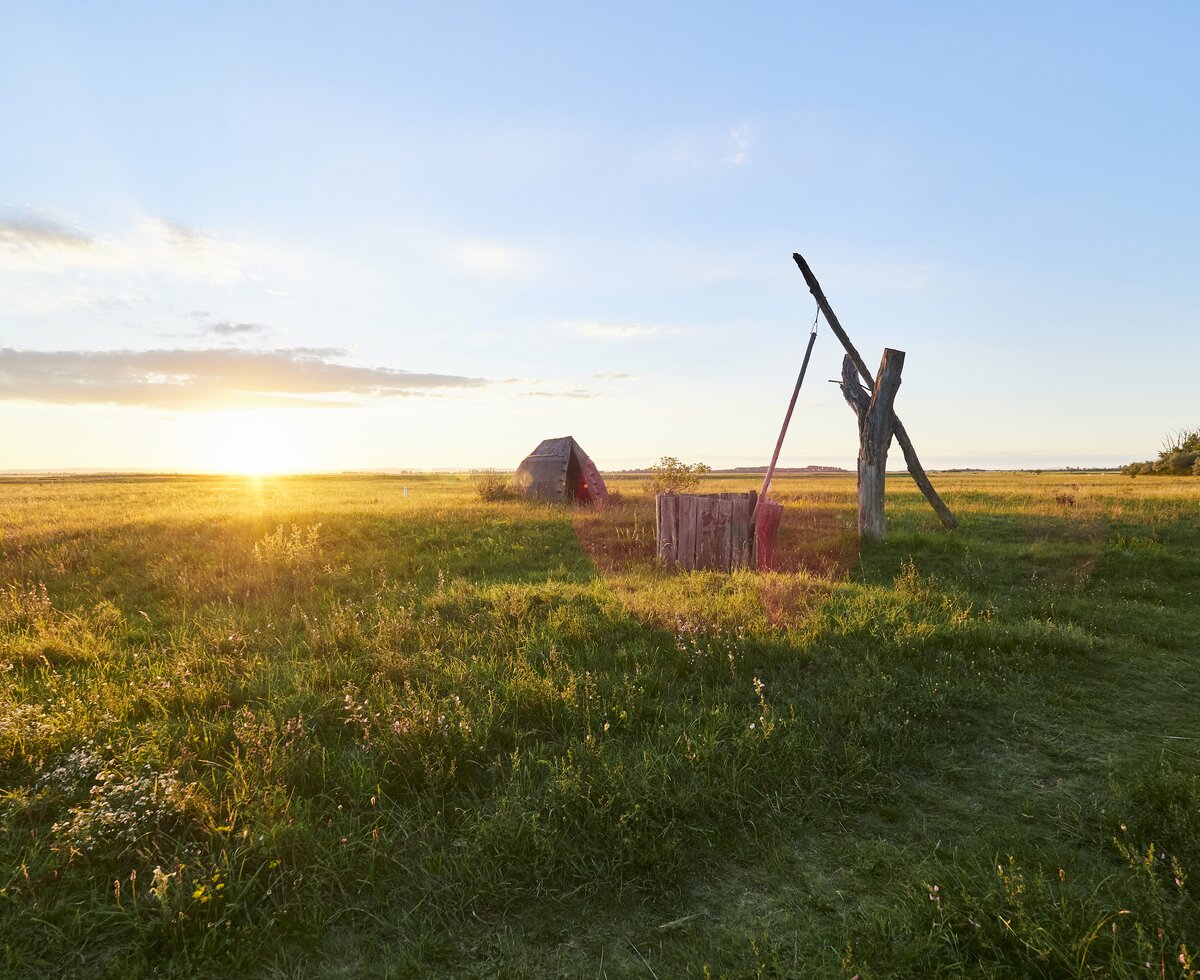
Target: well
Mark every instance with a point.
(706, 530)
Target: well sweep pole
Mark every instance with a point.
(786, 420)
(910, 454)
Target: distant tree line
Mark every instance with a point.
(1179, 456)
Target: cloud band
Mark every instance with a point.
(207, 379)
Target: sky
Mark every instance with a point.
(257, 236)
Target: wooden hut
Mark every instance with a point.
(559, 469)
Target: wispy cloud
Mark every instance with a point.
(30, 231)
(207, 379)
(225, 328)
(34, 242)
(550, 388)
(570, 393)
(493, 260)
(19, 297)
(617, 332)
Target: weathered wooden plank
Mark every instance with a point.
(707, 520)
(668, 529)
(685, 546)
(659, 536)
(723, 536)
(739, 531)
(712, 533)
(706, 531)
(755, 501)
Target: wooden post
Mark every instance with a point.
(910, 454)
(875, 425)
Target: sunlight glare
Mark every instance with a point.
(252, 444)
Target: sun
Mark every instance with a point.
(252, 444)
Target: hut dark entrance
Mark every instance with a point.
(559, 469)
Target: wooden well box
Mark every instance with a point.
(706, 530)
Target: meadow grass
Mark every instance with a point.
(315, 727)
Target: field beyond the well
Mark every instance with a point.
(313, 726)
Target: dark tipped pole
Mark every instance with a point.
(910, 454)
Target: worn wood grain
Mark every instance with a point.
(722, 547)
(667, 505)
(705, 531)
(875, 435)
(685, 548)
(740, 539)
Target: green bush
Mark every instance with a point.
(1178, 463)
(1179, 456)
(669, 475)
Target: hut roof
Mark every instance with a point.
(559, 469)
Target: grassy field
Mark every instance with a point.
(314, 727)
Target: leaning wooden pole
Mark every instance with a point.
(910, 454)
(787, 418)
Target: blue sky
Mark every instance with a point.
(227, 231)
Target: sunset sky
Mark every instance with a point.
(357, 236)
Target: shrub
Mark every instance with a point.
(669, 475)
(1179, 456)
(1178, 463)
(289, 546)
(1182, 441)
(492, 486)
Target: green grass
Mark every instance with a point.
(313, 727)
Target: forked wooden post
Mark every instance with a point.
(910, 454)
(875, 424)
